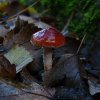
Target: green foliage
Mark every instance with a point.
(86, 15)
(26, 2)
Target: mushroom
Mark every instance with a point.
(48, 38)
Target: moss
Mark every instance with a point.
(87, 15)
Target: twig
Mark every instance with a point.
(85, 33)
(12, 95)
(68, 22)
(86, 5)
(81, 43)
(28, 93)
(11, 17)
(45, 11)
(37, 94)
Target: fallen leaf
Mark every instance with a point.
(92, 68)
(21, 34)
(6, 68)
(3, 6)
(49, 20)
(94, 87)
(19, 56)
(8, 40)
(15, 90)
(2, 49)
(3, 31)
(94, 56)
(66, 93)
(65, 72)
(13, 8)
(30, 20)
(70, 47)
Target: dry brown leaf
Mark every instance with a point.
(22, 39)
(24, 30)
(8, 40)
(49, 20)
(65, 72)
(1, 40)
(19, 37)
(30, 20)
(6, 68)
(3, 31)
(70, 46)
(13, 8)
(19, 91)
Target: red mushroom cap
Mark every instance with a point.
(48, 38)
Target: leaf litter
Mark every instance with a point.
(67, 72)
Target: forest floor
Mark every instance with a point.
(75, 72)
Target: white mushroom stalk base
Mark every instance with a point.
(47, 58)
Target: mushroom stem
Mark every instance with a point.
(47, 58)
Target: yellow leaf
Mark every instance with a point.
(32, 10)
(3, 6)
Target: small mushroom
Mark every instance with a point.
(48, 38)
